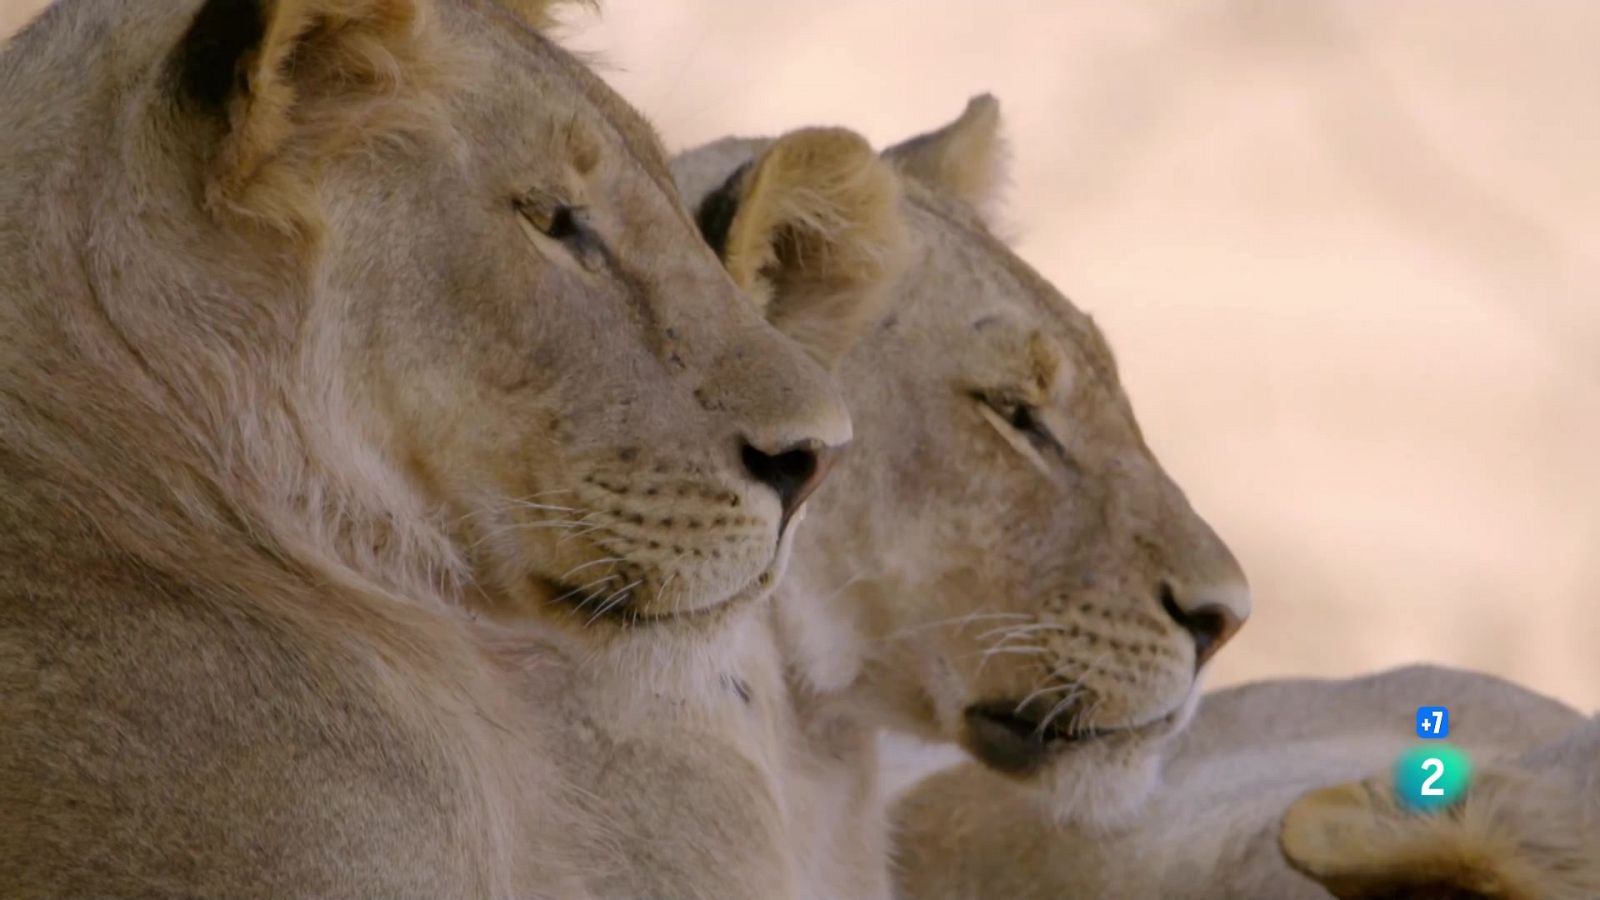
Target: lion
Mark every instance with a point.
(376, 434)
(1212, 830)
(999, 561)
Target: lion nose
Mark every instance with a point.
(793, 472)
(1210, 617)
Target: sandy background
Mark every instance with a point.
(1348, 253)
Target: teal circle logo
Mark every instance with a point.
(1431, 777)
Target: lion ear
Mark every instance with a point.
(813, 229)
(260, 64)
(966, 159)
(1357, 842)
(541, 13)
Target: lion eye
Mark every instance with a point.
(1023, 418)
(558, 221)
(1022, 425)
(563, 223)
(566, 223)
(1020, 416)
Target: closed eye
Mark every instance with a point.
(1021, 417)
(566, 223)
(1023, 427)
(563, 223)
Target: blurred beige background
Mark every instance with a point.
(1347, 251)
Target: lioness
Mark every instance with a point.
(1212, 829)
(999, 561)
(356, 357)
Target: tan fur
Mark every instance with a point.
(1528, 829)
(541, 14)
(347, 520)
(363, 42)
(950, 561)
(1211, 828)
(817, 228)
(966, 159)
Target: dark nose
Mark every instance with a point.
(792, 473)
(1210, 624)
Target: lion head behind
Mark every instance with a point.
(1000, 560)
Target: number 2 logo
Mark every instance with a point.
(1430, 778)
(1436, 766)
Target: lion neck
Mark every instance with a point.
(834, 797)
(175, 406)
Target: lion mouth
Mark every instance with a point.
(623, 606)
(1019, 738)
(595, 602)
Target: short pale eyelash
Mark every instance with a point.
(1036, 431)
(564, 223)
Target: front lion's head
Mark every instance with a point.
(397, 290)
(999, 560)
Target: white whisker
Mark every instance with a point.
(612, 601)
(587, 590)
(1045, 692)
(604, 560)
(672, 567)
(1007, 651)
(1023, 630)
(581, 532)
(953, 621)
(532, 526)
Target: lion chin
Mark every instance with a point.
(1107, 783)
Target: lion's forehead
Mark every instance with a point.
(1001, 285)
(1073, 332)
(638, 138)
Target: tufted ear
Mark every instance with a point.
(269, 69)
(813, 229)
(1512, 838)
(966, 159)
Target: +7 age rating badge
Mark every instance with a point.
(1432, 776)
(1433, 722)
